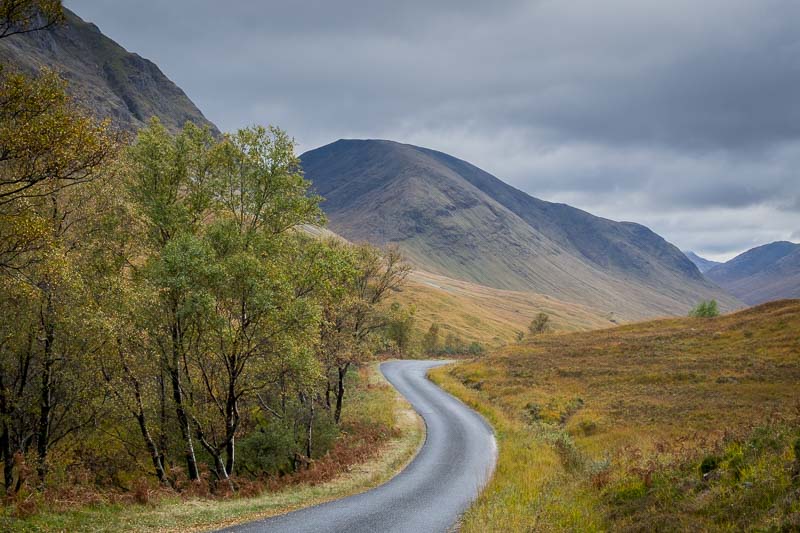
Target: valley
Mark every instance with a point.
(205, 329)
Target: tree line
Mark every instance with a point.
(161, 303)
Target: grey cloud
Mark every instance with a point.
(658, 107)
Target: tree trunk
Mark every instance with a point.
(141, 419)
(231, 424)
(152, 448)
(5, 437)
(328, 391)
(183, 423)
(340, 392)
(180, 410)
(46, 392)
(155, 456)
(8, 459)
(162, 428)
(310, 426)
(220, 471)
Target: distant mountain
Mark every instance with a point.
(107, 78)
(768, 272)
(454, 219)
(702, 264)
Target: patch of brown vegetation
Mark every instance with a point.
(681, 423)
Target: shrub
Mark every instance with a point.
(588, 427)
(272, 448)
(540, 324)
(141, 492)
(430, 342)
(533, 412)
(705, 309)
(475, 348)
(709, 464)
(268, 450)
(571, 458)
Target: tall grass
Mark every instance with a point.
(681, 424)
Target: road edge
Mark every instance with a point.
(393, 457)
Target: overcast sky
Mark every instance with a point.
(681, 115)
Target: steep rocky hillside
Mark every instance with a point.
(104, 76)
(454, 219)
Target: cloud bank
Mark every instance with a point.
(680, 115)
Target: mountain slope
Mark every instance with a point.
(454, 219)
(104, 76)
(490, 316)
(477, 313)
(702, 264)
(764, 273)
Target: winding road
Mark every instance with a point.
(452, 466)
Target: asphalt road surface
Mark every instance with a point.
(452, 466)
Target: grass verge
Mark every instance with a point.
(528, 490)
(378, 400)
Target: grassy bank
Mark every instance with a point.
(682, 424)
(381, 435)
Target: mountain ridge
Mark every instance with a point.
(764, 273)
(452, 218)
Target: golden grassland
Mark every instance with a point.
(477, 313)
(359, 462)
(487, 315)
(671, 425)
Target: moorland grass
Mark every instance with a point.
(670, 425)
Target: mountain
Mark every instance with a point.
(768, 272)
(103, 75)
(702, 264)
(454, 219)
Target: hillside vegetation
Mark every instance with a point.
(379, 439)
(681, 424)
(491, 317)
